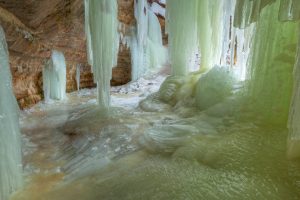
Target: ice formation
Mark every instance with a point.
(181, 26)
(270, 72)
(10, 140)
(78, 76)
(55, 77)
(294, 125)
(213, 87)
(145, 42)
(88, 33)
(203, 27)
(102, 25)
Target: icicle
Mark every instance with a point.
(103, 23)
(88, 34)
(10, 142)
(78, 76)
(270, 67)
(182, 30)
(294, 118)
(55, 77)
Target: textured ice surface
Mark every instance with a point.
(214, 86)
(10, 146)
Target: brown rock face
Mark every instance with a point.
(34, 28)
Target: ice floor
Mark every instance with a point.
(74, 151)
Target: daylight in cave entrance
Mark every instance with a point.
(150, 99)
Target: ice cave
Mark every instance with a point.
(150, 100)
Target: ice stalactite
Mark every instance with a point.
(271, 64)
(10, 141)
(181, 27)
(78, 76)
(55, 77)
(88, 33)
(103, 26)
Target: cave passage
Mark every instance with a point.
(212, 110)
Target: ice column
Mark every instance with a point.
(182, 30)
(211, 31)
(103, 26)
(10, 144)
(156, 53)
(55, 77)
(139, 39)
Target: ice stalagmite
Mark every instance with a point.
(103, 26)
(182, 30)
(55, 77)
(10, 144)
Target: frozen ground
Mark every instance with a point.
(74, 151)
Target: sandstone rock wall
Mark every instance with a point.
(34, 28)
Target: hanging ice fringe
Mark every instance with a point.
(10, 142)
(102, 25)
(55, 77)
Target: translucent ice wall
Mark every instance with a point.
(271, 65)
(294, 119)
(55, 77)
(10, 144)
(103, 26)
